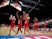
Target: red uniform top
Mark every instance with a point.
(26, 23)
(36, 25)
(45, 25)
(12, 23)
(19, 23)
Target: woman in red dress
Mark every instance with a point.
(36, 25)
(12, 25)
(26, 23)
(45, 25)
(19, 23)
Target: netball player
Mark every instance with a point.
(26, 23)
(12, 25)
(45, 25)
(19, 23)
(36, 25)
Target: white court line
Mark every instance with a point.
(27, 38)
(45, 37)
(36, 37)
(13, 38)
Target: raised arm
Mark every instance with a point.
(17, 15)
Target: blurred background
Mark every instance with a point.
(41, 9)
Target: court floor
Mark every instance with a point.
(4, 31)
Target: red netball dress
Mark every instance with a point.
(12, 24)
(19, 24)
(45, 25)
(36, 26)
(26, 23)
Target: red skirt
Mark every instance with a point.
(19, 25)
(36, 27)
(44, 26)
(26, 25)
(12, 25)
